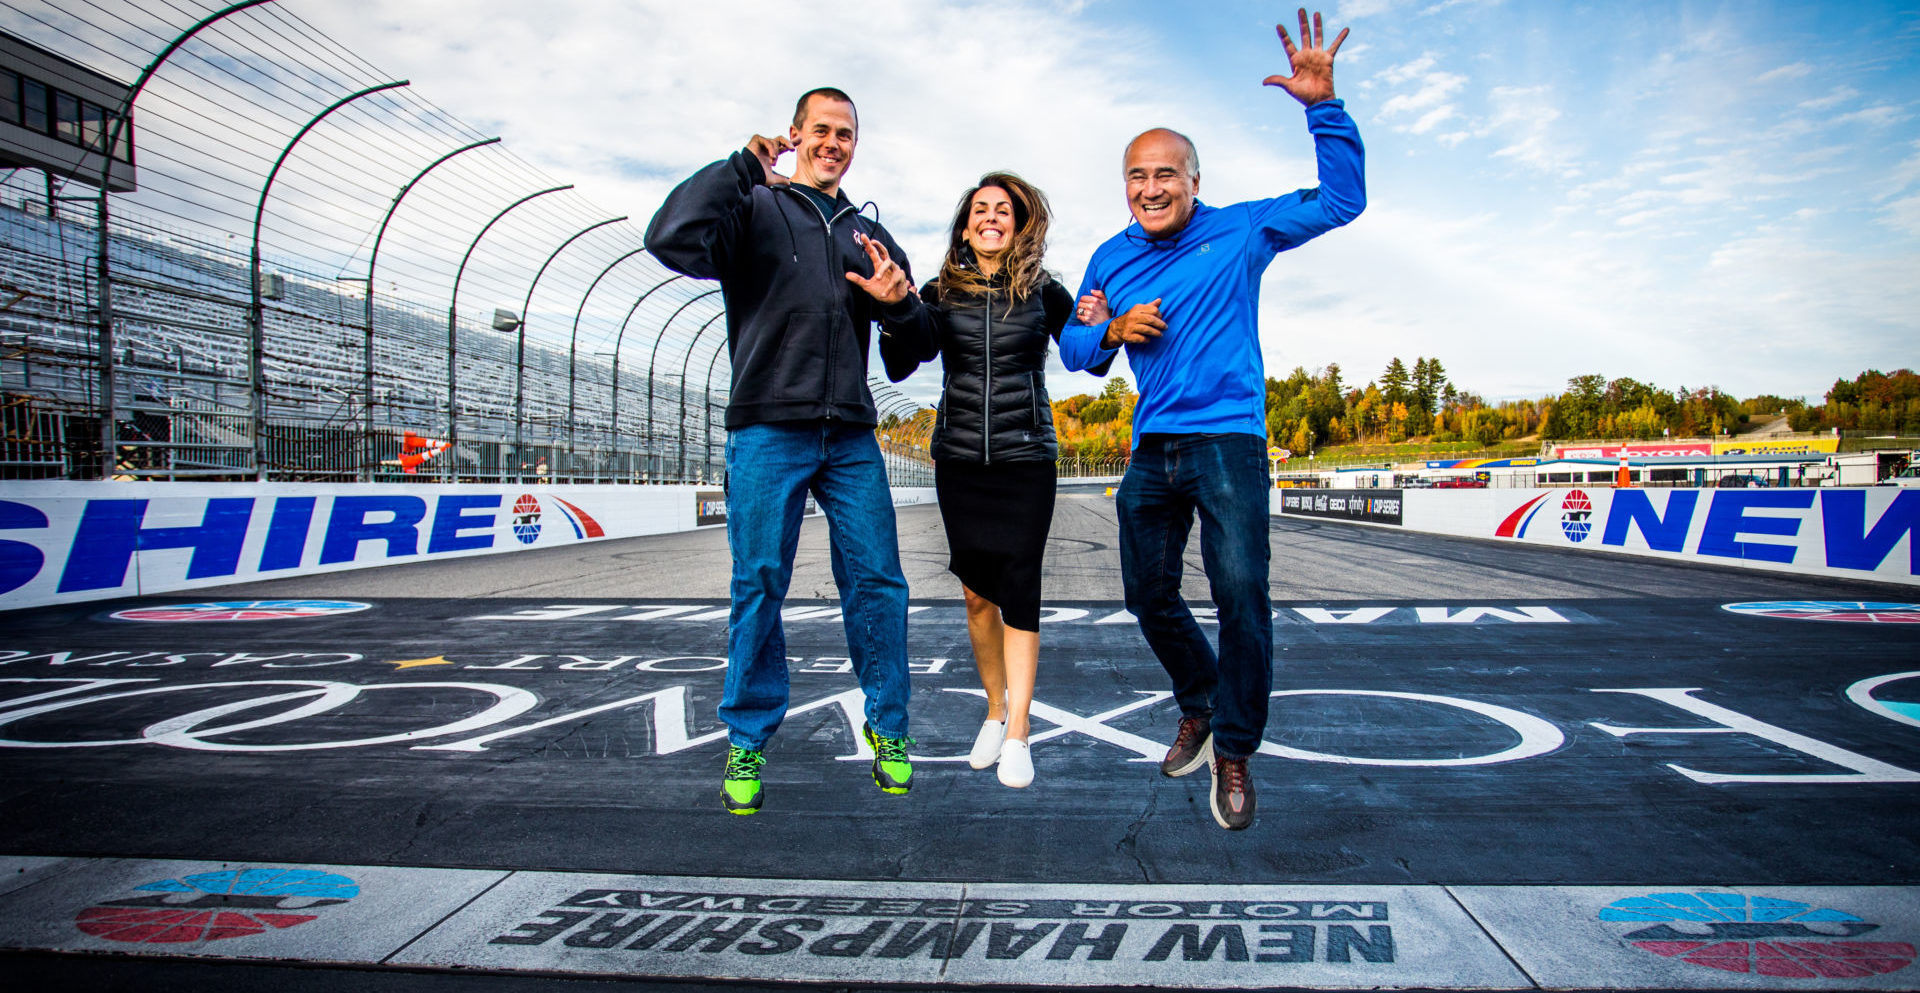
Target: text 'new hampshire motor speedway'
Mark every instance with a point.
(485, 714)
(897, 928)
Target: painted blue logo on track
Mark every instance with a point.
(1858, 611)
(264, 882)
(240, 610)
(1734, 932)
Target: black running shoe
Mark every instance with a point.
(1191, 747)
(1232, 794)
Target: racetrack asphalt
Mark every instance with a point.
(1473, 730)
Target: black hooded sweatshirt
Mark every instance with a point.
(798, 332)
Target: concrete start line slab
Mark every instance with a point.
(1666, 935)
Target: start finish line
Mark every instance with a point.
(292, 706)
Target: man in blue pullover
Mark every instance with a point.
(1183, 284)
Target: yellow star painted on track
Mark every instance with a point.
(416, 663)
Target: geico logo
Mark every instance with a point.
(672, 725)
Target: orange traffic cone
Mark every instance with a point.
(1623, 476)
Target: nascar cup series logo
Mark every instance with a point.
(526, 519)
(211, 906)
(1758, 935)
(1576, 516)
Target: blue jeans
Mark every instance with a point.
(770, 470)
(1222, 477)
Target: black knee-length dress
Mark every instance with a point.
(993, 439)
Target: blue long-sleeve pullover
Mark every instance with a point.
(1204, 374)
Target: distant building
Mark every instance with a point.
(55, 116)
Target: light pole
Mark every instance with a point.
(684, 359)
(453, 344)
(654, 354)
(706, 457)
(520, 349)
(573, 339)
(617, 340)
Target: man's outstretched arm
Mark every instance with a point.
(1342, 193)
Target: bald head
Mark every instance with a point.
(1162, 135)
(1162, 171)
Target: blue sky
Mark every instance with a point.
(1686, 193)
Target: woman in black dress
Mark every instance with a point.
(996, 311)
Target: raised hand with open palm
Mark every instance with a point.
(1312, 62)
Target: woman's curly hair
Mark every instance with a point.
(1021, 261)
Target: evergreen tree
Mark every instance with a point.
(1395, 383)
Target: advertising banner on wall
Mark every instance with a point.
(1859, 532)
(64, 542)
(1367, 506)
(1734, 446)
(1777, 446)
(1633, 450)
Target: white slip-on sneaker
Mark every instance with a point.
(986, 746)
(1016, 764)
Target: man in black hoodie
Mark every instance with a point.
(805, 276)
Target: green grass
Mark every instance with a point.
(1870, 444)
(1335, 456)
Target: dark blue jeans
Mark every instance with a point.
(1221, 478)
(770, 470)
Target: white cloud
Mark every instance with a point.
(1355, 9)
(1433, 92)
(1792, 70)
(1877, 116)
(1523, 117)
(1838, 95)
(1904, 215)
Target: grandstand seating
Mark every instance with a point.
(182, 357)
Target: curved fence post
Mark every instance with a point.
(109, 433)
(453, 322)
(520, 348)
(257, 312)
(367, 459)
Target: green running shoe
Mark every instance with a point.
(892, 769)
(740, 790)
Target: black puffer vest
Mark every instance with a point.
(993, 350)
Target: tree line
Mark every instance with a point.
(1308, 411)
(1871, 401)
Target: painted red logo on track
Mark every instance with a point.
(211, 906)
(1733, 932)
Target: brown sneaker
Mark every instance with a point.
(1232, 794)
(1192, 746)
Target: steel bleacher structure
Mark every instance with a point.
(236, 354)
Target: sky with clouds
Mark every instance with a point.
(1687, 193)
